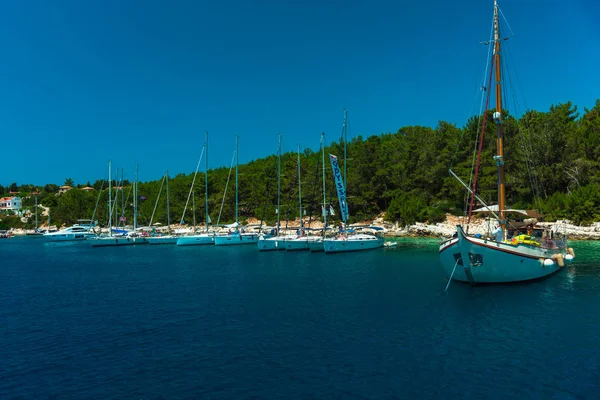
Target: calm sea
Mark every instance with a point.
(161, 322)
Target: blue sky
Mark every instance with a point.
(141, 81)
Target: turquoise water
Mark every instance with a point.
(152, 322)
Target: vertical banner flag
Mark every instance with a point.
(341, 191)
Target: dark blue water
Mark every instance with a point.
(161, 322)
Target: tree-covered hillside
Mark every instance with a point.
(552, 164)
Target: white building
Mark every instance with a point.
(10, 203)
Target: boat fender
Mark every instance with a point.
(568, 258)
(548, 262)
(571, 252)
(559, 259)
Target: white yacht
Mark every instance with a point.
(83, 230)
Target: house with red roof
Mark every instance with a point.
(11, 203)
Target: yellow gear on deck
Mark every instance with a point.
(525, 239)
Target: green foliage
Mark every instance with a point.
(10, 222)
(406, 208)
(51, 188)
(551, 162)
(583, 204)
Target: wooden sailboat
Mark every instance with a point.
(237, 236)
(348, 239)
(499, 258)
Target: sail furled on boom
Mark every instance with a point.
(339, 184)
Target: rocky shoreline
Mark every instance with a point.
(448, 228)
(439, 230)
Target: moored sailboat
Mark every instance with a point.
(125, 240)
(497, 257)
(206, 238)
(347, 240)
(237, 236)
(169, 238)
(37, 233)
(300, 241)
(277, 240)
(316, 244)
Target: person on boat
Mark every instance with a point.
(497, 233)
(530, 230)
(548, 243)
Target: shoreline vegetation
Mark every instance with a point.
(398, 180)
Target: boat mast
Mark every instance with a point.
(36, 222)
(498, 120)
(236, 181)
(122, 197)
(194, 209)
(168, 204)
(279, 184)
(325, 211)
(344, 136)
(206, 182)
(109, 198)
(116, 197)
(299, 189)
(135, 199)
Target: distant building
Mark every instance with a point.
(64, 189)
(10, 203)
(87, 188)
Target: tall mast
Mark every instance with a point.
(194, 209)
(325, 211)
(279, 184)
(36, 227)
(498, 120)
(109, 198)
(122, 196)
(207, 218)
(168, 204)
(299, 187)
(117, 197)
(236, 180)
(116, 212)
(344, 129)
(135, 199)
